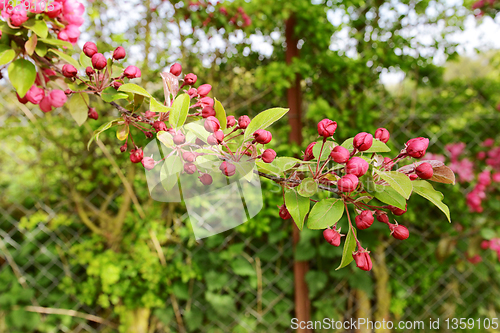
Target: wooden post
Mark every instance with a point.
(300, 268)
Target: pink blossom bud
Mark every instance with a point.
(207, 101)
(35, 94)
(327, 127)
(212, 124)
(227, 169)
(18, 17)
(382, 134)
(212, 140)
(206, 179)
(192, 92)
(190, 79)
(243, 122)
(123, 148)
(56, 7)
(69, 71)
(90, 49)
(284, 213)
(417, 147)
(332, 236)
(268, 155)
(92, 114)
(362, 259)
(58, 98)
(340, 154)
(399, 231)
(230, 121)
(99, 61)
(46, 104)
(132, 72)
(136, 155)
(188, 156)
(148, 163)
(176, 69)
(208, 111)
(116, 84)
(189, 168)
(348, 183)
(89, 71)
(424, 171)
(413, 177)
(398, 211)
(179, 139)
(219, 136)
(308, 154)
(159, 126)
(382, 216)
(119, 53)
(485, 244)
(362, 141)
(204, 90)
(364, 220)
(357, 166)
(262, 136)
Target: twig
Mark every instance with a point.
(72, 313)
(280, 180)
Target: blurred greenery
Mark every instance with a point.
(73, 210)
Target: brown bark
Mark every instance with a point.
(300, 268)
(363, 309)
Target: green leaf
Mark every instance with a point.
(22, 75)
(56, 42)
(41, 49)
(487, 233)
(155, 106)
(101, 129)
(268, 168)
(325, 213)
(327, 149)
(377, 146)
(390, 196)
(134, 89)
(298, 207)
(180, 109)
(285, 163)
(220, 114)
(308, 187)
(39, 27)
(78, 107)
(398, 181)
(349, 247)
(110, 94)
(65, 57)
(169, 173)
(7, 56)
(242, 267)
(85, 61)
(264, 120)
(425, 189)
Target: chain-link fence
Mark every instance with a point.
(428, 276)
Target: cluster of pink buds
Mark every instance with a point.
(40, 95)
(202, 107)
(67, 15)
(350, 166)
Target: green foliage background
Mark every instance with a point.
(242, 280)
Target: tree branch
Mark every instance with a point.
(72, 313)
(283, 181)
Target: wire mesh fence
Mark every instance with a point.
(413, 281)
